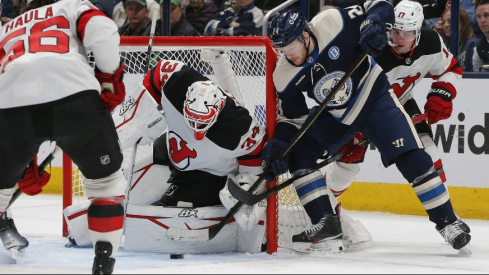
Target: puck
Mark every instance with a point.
(176, 256)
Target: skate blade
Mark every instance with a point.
(329, 246)
(325, 246)
(356, 246)
(465, 251)
(17, 255)
(301, 247)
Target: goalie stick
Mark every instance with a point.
(207, 234)
(251, 199)
(145, 69)
(150, 43)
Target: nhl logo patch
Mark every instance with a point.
(105, 159)
(408, 61)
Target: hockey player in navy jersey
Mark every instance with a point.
(412, 53)
(315, 56)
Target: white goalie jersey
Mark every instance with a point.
(232, 145)
(49, 37)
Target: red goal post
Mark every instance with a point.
(253, 62)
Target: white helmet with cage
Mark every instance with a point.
(409, 17)
(204, 102)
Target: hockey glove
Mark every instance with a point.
(352, 151)
(32, 183)
(439, 105)
(373, 36)
(113, 89)
(272, 165)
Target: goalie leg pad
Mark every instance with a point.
(252, 241)
(138, 119)
(248, 216)
(149, 181)
(355, 234)
(146, 228)
(76, 218)
(106, 221)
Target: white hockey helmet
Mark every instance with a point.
(204, 102)
(409, 17)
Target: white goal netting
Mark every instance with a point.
(247, 70)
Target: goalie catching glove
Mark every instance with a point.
(32, 183)
(113, 90)
(247, 216)
(439, 105)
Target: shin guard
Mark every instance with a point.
(312, 191)
(416, 166)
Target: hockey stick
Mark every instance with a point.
(145, 70)
(41, 168)
(251, 199)
(207, 234)
(150, 44)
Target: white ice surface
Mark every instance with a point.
(402, 244)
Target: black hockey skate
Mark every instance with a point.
(456, 234)
(103, 263)
(12, 240)
(323, 236)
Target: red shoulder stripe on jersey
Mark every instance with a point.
(258, 148)
(256, 162)
(152, 89)
(82, 21)
(453, 68)
(447, 86)
(253, 158)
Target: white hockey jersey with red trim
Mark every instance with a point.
(43, 52)
(233, 144)
(430, 57)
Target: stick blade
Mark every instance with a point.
(186, 235)
(241, 194)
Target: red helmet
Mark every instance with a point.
(204, 102)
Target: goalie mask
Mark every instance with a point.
(203, 104)
(409, 17)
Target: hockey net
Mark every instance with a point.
(253, 61)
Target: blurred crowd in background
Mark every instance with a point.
(245, 17)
